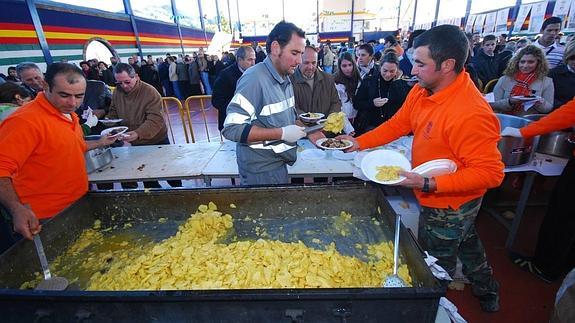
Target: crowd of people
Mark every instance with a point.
(430, 85)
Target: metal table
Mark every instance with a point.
(543, 164)
(224, 164)
(165, 162)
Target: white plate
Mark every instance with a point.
(316, 118)
(522, 98)
(312, 154)
(120, 130)
(322, 140)
(384, 157)
(110, 121)
(436, 167)
(338, 154)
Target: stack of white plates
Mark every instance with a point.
(436, 167)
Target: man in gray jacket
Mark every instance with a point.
(262, 111)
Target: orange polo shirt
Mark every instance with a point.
(562, 118)
(42, 151)
(456, 123)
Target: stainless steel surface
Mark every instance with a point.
(554, 143)
(97, 158)
(514, 151)
(49, 282)
(307, 213)
(394, 280)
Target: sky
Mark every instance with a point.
(258, 15)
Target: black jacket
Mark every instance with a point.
(163, 71)
(107, 77)
(564, 83)
(487, 66)
(149, 75)
(368, 115)
(260, 56)
(504, 57)
(97, 96)
(405, 65)
(223, 91)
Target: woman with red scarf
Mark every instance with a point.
(525, 88)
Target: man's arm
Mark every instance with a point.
(563, 117)
(238, 127)
(25, 221)
(102, 142)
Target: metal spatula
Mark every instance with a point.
(49, 282)
(394, 280)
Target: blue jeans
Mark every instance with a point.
(206, 81)
(168, 88)
(177, 91)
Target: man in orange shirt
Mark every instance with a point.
(449, 119)
(42, 167)
(555, 249)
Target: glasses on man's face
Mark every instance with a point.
(128, 82)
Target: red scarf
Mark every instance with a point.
(522, 87)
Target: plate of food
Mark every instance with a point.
(335, 123)
(311, 117)
(333, 144)
(383, 166)
(110, 122)
(114, 131)
(526, 97)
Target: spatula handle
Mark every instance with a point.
(42, 256)
(396, 243)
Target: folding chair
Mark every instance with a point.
(184, 116)
(188, 107)
(490, 86)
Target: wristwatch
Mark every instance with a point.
(425, 188)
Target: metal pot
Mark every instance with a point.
(554, 143)
(514, 151)
(97, 158)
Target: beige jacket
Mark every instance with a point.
(141, 110)
(502, 91)
(321, 98)
(328, 58)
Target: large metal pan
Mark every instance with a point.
(294, 205)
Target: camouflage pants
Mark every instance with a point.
(448, 234)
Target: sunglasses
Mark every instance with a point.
(124, 82)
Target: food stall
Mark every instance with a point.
(346, 221)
